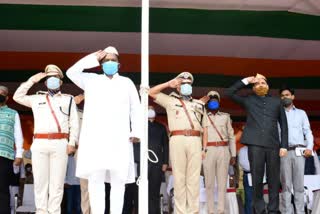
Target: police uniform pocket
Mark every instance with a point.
(178, 111)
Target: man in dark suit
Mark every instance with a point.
(158, 143)
(261, 135)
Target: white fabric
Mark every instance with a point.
(111, 106)
(49, 164)
(244, 159)
(18, 137)
(28, 203)
(96, 190)
(316, 202)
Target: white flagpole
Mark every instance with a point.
(143, 183)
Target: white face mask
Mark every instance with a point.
(151, 113)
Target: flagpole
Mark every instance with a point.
(143, 183)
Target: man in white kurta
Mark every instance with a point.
(111, 123)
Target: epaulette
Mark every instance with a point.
(224, 113)
(41, 92)
(175, 95)
(198, 101)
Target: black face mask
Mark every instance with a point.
(2, 98)
(286, 102)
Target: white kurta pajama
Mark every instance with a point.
(105, 152)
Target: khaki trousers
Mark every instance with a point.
(185, 155)
(49, 165)
(216, 165)
(85, 203)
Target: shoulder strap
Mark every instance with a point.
(187, 113)
(69, 112)
(53, 113)
(214, 126)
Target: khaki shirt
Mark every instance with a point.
(44, 121)
(177, 118)
(223, 122)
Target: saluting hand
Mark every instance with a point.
(100, 54)
(175, 83)
(252, 80)
(205, 99)
(37, 77)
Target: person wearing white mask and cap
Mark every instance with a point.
(56, 129)
(158, 143)
(187, 123)
(111, 123)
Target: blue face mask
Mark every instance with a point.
(213, 105)
(53, 83)
(110, 67)
(186, 89)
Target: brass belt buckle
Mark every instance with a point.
(187, 132)
(50, 136)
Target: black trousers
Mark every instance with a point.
(130, 203)
(107, 198)
(155, 176)
(6, 172)
(259, 158)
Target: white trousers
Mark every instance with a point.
(49, 165)
(96, 190)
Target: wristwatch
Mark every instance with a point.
(205, 150)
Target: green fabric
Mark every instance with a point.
(275, 24)
(7, 121)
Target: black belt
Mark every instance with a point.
(296, 146)
(246, 172)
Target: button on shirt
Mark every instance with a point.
(299, 128)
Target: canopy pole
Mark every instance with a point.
(144, 88)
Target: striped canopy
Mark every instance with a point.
(219, 41)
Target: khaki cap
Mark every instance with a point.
(53, 70)
(214, 94)
(186, 77)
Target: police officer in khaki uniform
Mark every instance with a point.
(187, 124)
(220, 147)
(55, 134)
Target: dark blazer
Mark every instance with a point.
(263, 116)
(157, 142)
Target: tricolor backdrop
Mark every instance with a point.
(219, 41)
